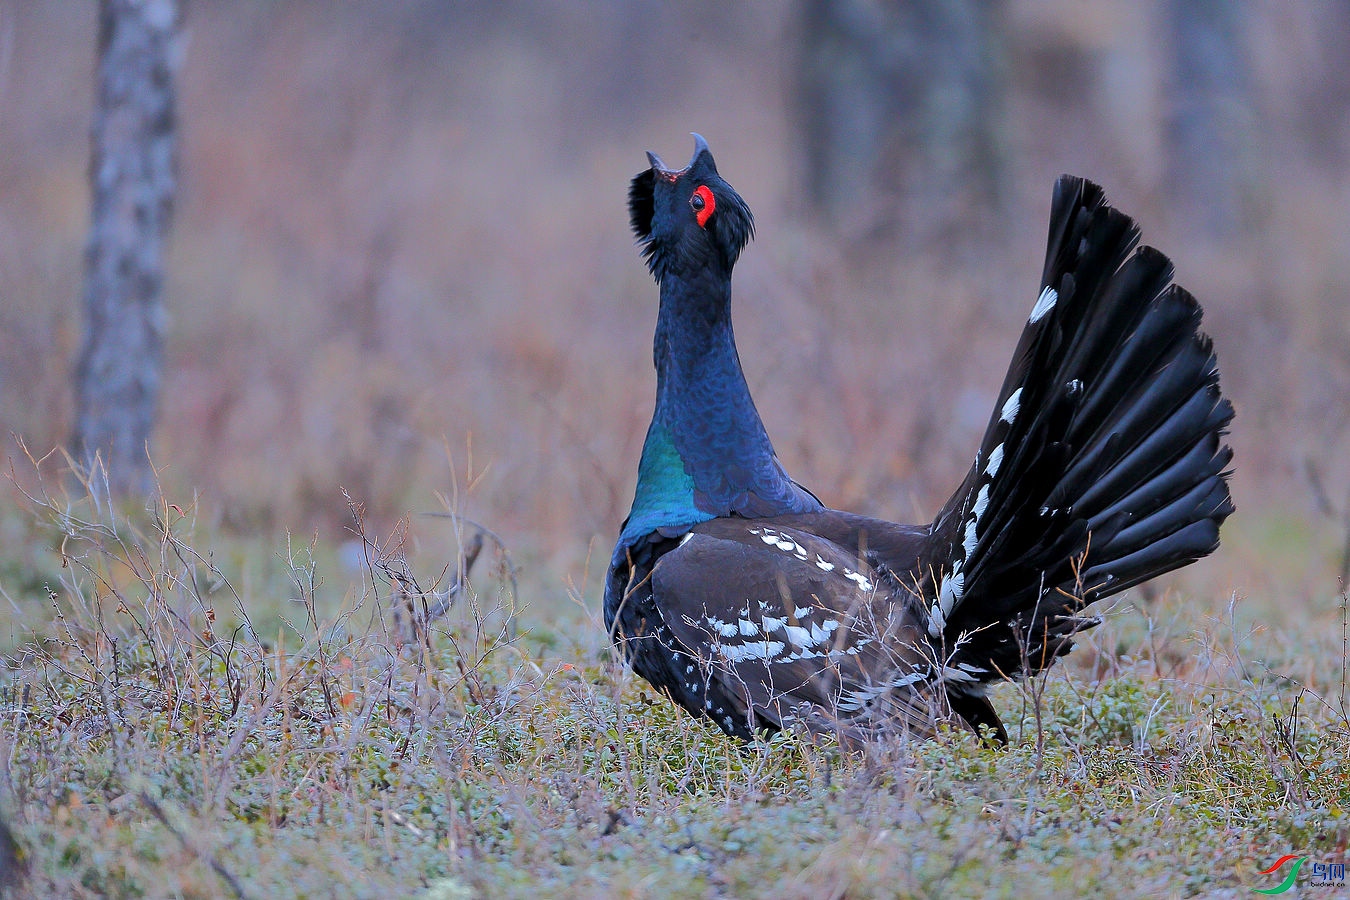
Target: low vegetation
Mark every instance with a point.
(161, 739)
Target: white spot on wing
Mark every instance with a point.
(1044, 303)
(824, 565)
(853, 701)
(726, 629)
(860, 579)
(957, 675)
(686, 539)
(751, 650)
(748, 628)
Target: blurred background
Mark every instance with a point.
(400, 261)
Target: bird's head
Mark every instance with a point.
(688, 219)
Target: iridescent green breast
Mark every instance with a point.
(665, 490)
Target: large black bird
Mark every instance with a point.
(737, 593)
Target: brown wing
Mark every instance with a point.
(798, 628)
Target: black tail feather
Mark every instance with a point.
(1103, 464)
(1196, 467)
(1172, 437)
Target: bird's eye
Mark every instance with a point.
(703, 204)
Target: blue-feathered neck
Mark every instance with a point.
(706, 454)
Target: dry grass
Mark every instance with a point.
(159, 741)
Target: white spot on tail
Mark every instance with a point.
(953, 586)
(1044, 303)
(968, 545)
(1074, 386)
(937, 620)
(995, 460)
(981, 503)
(1011, 406)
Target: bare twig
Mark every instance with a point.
(1339, 513)
(190, 845)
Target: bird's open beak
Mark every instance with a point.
(700, 146)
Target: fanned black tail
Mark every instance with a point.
(1103, 464)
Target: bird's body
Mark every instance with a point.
(735, 591)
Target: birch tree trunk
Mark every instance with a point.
(1212, 133)
(132, 173)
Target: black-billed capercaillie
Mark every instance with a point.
(739, 594)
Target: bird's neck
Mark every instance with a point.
(707, 453)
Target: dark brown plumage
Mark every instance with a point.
(735, 591)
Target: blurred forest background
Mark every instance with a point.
(400, 257)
